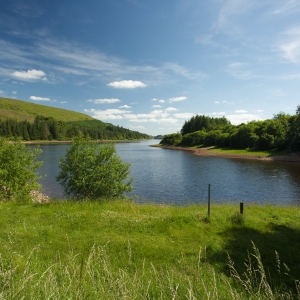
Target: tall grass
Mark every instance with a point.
(93, 276)
(128, 251)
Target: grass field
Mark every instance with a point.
(230, 151)
(22, 110)
(249, 152)
(123, 250)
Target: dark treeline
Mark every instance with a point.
(281, 132)
(203, 122)
(44, 128)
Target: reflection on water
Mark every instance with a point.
(168, 176)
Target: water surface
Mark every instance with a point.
(180, 177)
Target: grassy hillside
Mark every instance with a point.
(21, 110)
(122, 250)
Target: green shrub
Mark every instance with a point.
(18, 165)
(93, 171)
(194, 138)
(172, 139)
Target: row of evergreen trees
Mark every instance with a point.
(281, 132)
(200, 122)
(44, 128)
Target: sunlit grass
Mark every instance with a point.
(21, 110)
(248, 151)
(123, 250)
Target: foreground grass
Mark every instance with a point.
(122, 250)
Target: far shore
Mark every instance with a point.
(207, 151)
(70, 141)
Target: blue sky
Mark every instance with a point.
(151, 65)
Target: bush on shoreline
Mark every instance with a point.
(18, 171)
(92, 171)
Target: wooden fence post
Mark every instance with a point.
(241, 208)
(208, 200)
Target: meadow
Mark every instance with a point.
(21, 110)
(124, 250)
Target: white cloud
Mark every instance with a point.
(14, 92)
(30, 75)
(259, 110)
(161, 101)
(242, 118)
(184, 115)
(35, 98)
(289, 44)
(295, 76)
(233, 13)
(227, 102)
(179, 70)
(31, 10)
(240, 111)
(277, 92)
(108, 114)
(171, 109)
(64, 102)
(177, 99)
(155, 116)
(167, 121)
(154, 99)
(287, 6)
(89, 63)
(291, 50)
(239, 71)
(157, 106)
(217, 102)
(137, 127)
(222, 113)
(125, 106)
(1, 92)
(127, 84)
(105, 100)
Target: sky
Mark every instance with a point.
(151, 65)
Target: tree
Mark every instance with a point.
(94, 171)
(212, 137)
(172, 139)
(265, 142)
(294, 133)
(194, 138)
(18, 165)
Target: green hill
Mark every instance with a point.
(29, 121)
(21, 111)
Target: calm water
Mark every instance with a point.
(180, 177)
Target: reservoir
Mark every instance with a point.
(177, 177)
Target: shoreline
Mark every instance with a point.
(207, 152)
(70, 141)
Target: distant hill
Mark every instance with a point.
(29, 121)
(22, 110)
